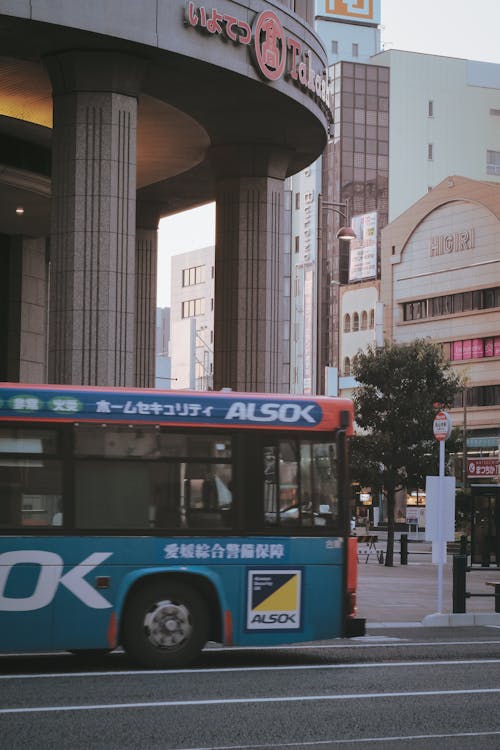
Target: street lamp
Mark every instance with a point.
(345, 232)
(328, 305)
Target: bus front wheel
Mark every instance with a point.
(165, 624)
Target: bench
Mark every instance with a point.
(496, 586)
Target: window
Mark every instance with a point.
(493, 162)
(139, 478)
(297, 200)
(347, 323)
(347, 367)
(297, 243)
(194, 275)
(193, 307)
(355, 322)
(30, 479)
(300, 484)
(355, 50)
(372, 319)
(335, 47)
(364, 320)
(430, 108)
(430, 151)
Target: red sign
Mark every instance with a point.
(482, 467)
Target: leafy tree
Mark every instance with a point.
(395, 405)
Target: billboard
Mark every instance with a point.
(363, 250)
(353, 11)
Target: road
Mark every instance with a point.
(403, 687)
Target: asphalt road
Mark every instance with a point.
(403, 687)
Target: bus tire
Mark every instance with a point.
(165, 624)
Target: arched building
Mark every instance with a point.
(115, 114)
(441, 280)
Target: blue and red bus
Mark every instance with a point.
(159, 521)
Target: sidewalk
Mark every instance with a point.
(408, 594)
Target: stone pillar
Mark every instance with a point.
(249, 315)
(146, 263)
(92, 305)
(23, 309)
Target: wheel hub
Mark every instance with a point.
(167, 624)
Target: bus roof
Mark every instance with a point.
(69, 403)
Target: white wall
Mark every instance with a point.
(461, 128)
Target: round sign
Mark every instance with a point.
(442, 425)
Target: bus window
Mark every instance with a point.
(300, 487)
(30, 482)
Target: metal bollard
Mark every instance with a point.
(404, 549)
(497, 597)
(463, 545)
(459, 571)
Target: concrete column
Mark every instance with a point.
(23, 308)
(146, 263)
(249, 315)
(92, 305)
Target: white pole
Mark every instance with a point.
(440, 527)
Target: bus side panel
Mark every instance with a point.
(63, 592)
(25, 621)
(278, 602)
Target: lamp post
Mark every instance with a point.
(330, 276)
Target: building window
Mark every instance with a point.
(297, 200)
(347, 367)
(335, 47)
(193, 307)
(493, 162)
(355, 322)
(355, 50)
(297, 243)
(430, 151)
(194, 275)
(372, 319)
(451, 304)
(347, 323)
(364, 320)
(430, 108)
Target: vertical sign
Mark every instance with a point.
(363, 250)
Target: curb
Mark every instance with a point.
(478, 618)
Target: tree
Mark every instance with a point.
(399, 386)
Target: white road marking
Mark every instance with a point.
(357, 740)
(247, 701)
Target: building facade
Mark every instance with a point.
(432, 116)
(192, 319)
(441, 281)
(350, 32)
(116, 115)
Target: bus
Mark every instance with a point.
(159, 521)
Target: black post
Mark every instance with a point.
(463, 544)
(459, 571)
(497, 597)
(404, 549)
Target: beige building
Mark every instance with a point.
(441, 280)
(192, 319)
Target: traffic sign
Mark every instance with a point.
(442, 425)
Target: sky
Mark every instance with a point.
(453, 28)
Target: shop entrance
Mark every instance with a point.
(485, 526)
